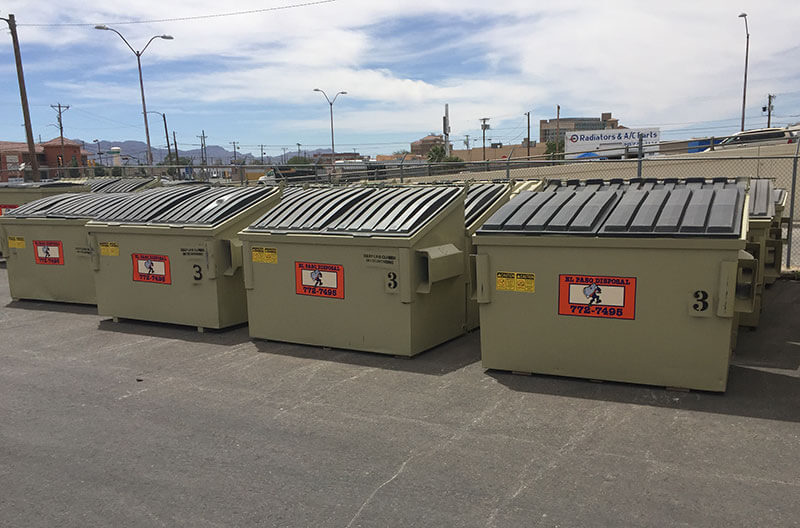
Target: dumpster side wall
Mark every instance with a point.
(667, 341)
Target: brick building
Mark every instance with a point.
(547, 127)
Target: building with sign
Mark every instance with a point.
(549, 127)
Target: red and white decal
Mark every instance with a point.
(48, 252)
(597, 296)
(319, 280)
(4, 208)
(151, 268)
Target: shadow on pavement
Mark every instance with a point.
(438, 361)
(234, 335)
(751, 392)
(53, 306)
(755, 389)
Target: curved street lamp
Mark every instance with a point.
(141, 83)
(746, 57)
(330, 102)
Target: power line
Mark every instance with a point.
(181, 19)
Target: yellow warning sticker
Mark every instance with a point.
(514, 281)
(109, 249)
(16, 242)
(264, 255)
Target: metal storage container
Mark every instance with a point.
(12, 195)
(636, 282)
(776, 239)
(171, 255)
(46, 249)
(761, 216)
(363, 268)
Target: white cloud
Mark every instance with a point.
(648, 63)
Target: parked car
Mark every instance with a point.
(773, 135)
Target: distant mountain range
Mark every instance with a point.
(137, 151)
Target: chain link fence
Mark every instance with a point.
(780, 168)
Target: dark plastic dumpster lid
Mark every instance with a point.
(779, 195)
(142, 207)
(39, 185)
(71, 205)
(389, 211)
(480, 197)
(643, 208)
(115, 185)
(762, 198)
(213, 206)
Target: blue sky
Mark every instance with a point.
(249, 78)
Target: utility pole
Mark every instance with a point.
(528, 141)
(484, 127)
(466, 143)
(234, 150)
(298, 150)
(446, 129)
(202, 138)
(558, 128)
(23, 95)
(262, 154)
(175, 142)
(61, 109)
(768, 109)
(284, 155)
(166, 133)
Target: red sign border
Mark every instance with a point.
(629, 302)
(37, 259)
(138, 277)
(298, 280)
(8, 207)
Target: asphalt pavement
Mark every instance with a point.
(134, 424)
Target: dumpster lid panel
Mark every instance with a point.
(394, 211)
(72, 205)
(637, 208)
(213, 206)
(762, 199)
(480, 198)
(142, 207)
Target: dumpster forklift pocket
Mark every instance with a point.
(442, 262)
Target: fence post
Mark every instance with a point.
(791, 208)
(508, 164)
(641, 155)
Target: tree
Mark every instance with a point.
(400, 152)
(299, 160)
(437, 154)
(551, 150)
(170, 160)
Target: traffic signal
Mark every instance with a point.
(60, 160)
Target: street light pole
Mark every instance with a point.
(23, 95)
(330, 102)
(746, 57)
(141, 82)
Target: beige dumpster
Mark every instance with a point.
(46, 249)
(372, 269)
(626, 282)
(171, 255)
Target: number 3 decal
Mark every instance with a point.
(701, 296)
(391, 280)
(198, 272)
